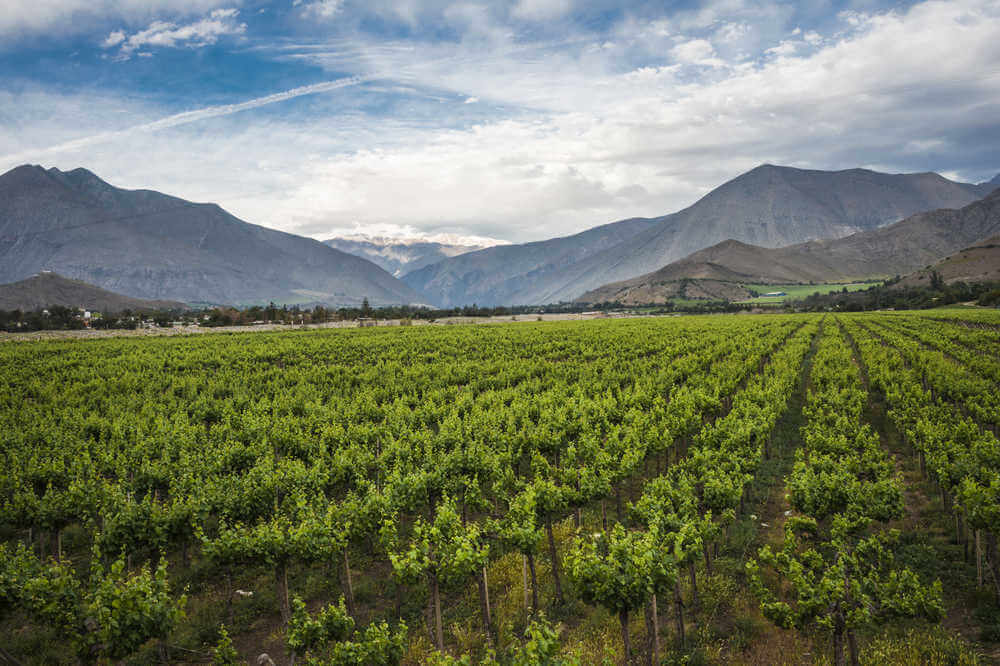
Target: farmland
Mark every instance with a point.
(800, 291)
(720, 489)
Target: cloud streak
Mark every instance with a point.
(184, 118)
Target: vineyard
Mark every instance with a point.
(713, 489)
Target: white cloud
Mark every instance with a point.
(21, 19)
(693, 51)
(696, 52)
(732, 32)
(785, 48)
(471, 100)
(589, 138)
(164, 34)
(114, 39)
(541, 10)
(319, 9)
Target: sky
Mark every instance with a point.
(516, 120)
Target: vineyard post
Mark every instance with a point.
(484, 596)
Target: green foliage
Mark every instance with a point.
(329, 638)
(613, 570)
(128, 609)
(224, 653)
(283, 455)
(839, 576)
(541, 647)
(444, 548)
(113, 615)
(306, 633)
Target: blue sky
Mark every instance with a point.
(519, 121)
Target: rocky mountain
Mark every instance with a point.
(769, 206)
(980, 262)
(507, 274)
(48, 289)
(400, 256)
(149, 245)
(898, 249)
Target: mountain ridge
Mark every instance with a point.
(897, 249)
(523, 263)
(769, 205)
(146, 244)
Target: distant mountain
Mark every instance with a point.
(149, 245)
(898, 249)
(769, 206)
(987, 187)
(400, 256)
(980, 262)
(48, 289)
(506, 274)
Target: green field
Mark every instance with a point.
(706, 489)
(799, 291)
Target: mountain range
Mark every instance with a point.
(898, 249)
(769, 206)
(829, 225)
(506, 274)
(153, 246)
(400, 256)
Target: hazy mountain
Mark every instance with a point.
(149, 245)
(918, 241)
(987, 187)
(501, 274)
(400, 256)
(980, 262)
(769, 206)
(47, 289)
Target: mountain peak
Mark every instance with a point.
(150, 245)
(81, 179)
(24, 174)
